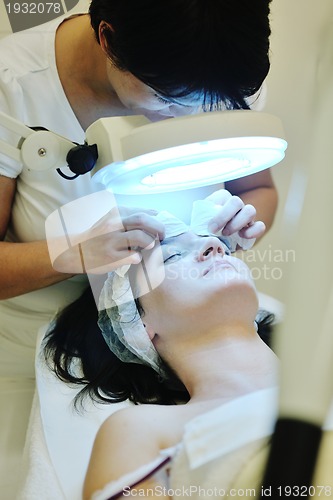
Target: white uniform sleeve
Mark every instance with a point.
(11, 104)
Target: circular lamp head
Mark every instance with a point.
(188, 152)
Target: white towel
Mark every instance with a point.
(39, 476)
(60, 439)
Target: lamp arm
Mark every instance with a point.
(37, 150)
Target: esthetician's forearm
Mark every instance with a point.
(258, 190)
(26, 267)
(265, 200)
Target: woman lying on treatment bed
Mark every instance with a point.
(192, 339)
(201, 321)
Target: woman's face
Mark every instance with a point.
(143, 100)
(202, 284)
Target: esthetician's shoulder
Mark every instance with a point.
(30, 50)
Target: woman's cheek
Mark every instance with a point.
(171, 273)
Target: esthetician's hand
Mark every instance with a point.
(234, 217)
(115, 240)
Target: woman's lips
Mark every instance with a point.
(217, 265)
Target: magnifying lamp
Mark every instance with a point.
(134, 156)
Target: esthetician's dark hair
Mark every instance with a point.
(216, 48)
(77, 352)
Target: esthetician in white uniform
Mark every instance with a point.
(160, 59)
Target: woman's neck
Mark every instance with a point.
(81, 66)
(227, 368)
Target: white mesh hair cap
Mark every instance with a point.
(121, 325)
(119, 318)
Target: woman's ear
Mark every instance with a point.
(103, 27)
(150, 331)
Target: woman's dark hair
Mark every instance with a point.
(77, 352)
(215, 48)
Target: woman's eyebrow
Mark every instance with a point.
(167, 241)
(170, 239)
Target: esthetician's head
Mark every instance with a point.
(170, 56)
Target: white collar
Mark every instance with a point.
(230, 426)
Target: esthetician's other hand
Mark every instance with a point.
(115, 240)
(234, 216)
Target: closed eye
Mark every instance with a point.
(171, 101)
(172, 257)
(161, 99)
(171, 253)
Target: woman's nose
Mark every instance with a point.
(211, 247)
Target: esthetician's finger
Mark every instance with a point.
(146, 223)
(256, 230)
(127, 211)
(227, 212)
(126, 257)
(241, 219)
(219, 197)
(100, 255)
(135, 240)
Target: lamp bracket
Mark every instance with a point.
(40, 149)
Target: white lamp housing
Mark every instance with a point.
(139, 157)
(135, 156)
